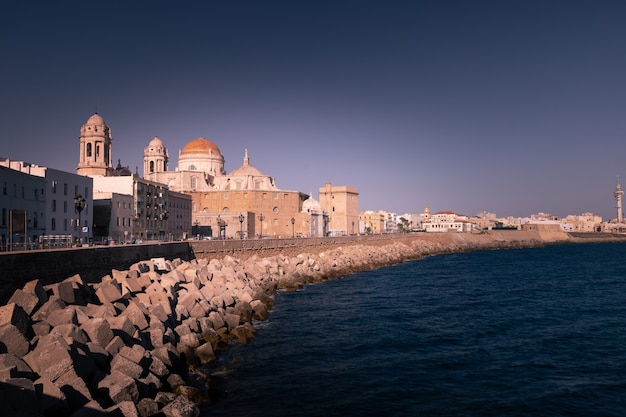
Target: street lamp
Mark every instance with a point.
(261, 218)
(293, 230)
(79, 205)
(219, 226)
(240, 226)
(197, 230)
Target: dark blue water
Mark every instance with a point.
(530, 332)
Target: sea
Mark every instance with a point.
(515, 332)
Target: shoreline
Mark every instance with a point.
(138, 340)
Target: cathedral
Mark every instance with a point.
(244, 203)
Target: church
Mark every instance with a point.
(244, 203)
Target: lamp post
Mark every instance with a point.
(261, 218)
(293, 229)
(219, 226)
(79, 205)
(240, 226)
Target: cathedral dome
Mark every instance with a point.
(200, 145)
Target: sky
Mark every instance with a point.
(510, 107)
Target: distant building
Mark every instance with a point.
(342, 205)
(446, 221)
(372, 222)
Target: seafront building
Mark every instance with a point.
(342, 205)
(50, 207)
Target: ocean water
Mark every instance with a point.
(521, 332)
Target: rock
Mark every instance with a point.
(119, 387)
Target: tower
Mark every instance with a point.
(155, 158)
(618, 198)
(95, 148)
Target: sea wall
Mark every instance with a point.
(138, 341)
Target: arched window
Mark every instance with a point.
(192, 167)
(194, 183)
(88, 149)
(151, 166)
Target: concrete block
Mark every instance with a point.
(109, 292)
(15, 315)
(115, 345)
(35, 288)
(13, 341)
(121, 326)
(62, 316)
(99, 310)
(19, 368)
(41, 328)
(136, 315)
(51, 357)
(98, 330)
(75, 389)
(119, 387)
(181, 407)
(122, 364)
(205, 353)
(217, 319)
(163, 300)
(29, 302)
(232, 320)
(147, 407)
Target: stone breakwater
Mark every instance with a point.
(137, 342)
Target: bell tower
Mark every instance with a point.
(155, 159)
(95, 148)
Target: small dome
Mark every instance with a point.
(311, 205)
(246, 169)
(156, 142)
(200, 145)
(96, 119)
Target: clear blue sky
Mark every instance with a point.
(513, 107)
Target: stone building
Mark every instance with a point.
(342, 205)
(244, 203)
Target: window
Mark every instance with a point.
(192, 167)
(4, 188)
(226, 196)
(65, 225)
(4, 216)
(53, 225)
(89, 150)
(194, 183)
(151, 166)
(75, 190)
(54, 206)
(64, 189)
(275, 196)
(54, 187)
(275, 210)
(65, 207)
(35, 223)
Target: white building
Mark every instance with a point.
(446, 221)
(23, 207)
(60, 217)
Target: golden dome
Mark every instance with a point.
(200, 145)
